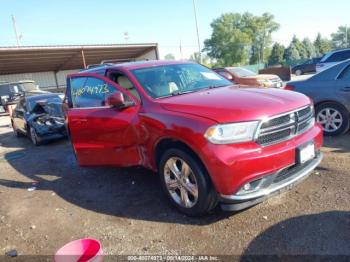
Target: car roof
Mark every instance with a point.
(339, 50)
(136, 65)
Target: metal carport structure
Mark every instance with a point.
(51, 62)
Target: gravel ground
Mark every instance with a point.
(126, 210)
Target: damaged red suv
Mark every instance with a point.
(211, 142)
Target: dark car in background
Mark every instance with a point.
(39, 117)
(330, 91)
(332, 58)
(10, 92)
(307, 67)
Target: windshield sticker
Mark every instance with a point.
(91, 90)
(210, 75)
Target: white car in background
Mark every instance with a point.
(332, 58)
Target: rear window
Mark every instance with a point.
(338, 56)
(241, 72)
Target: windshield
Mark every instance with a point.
(241, 72)
(28, 87)
(47, 102)
(163, 81)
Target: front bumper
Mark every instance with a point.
(277, 182)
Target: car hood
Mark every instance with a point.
(232, 104)
(262, 76)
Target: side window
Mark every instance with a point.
(21, 105)
(4, 90)
(345, 75)
(337, 57)
(347, 54)
(90, 92)
(14, 89)
(124, 82)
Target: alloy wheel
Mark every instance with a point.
(180, 182)
(33, 136)
(330, 119)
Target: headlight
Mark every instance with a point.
(232, 133)
(264, 81)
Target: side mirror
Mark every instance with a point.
(117, 100)
(226, 75)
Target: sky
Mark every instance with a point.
(166, 22)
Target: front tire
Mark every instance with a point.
(34, 137)
(333, 117)
(186, 183)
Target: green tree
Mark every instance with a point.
(322, 45)
(169, 57)
(195, 57)
(205, 59)
(237, 39)
(277, 54)
(309, 48)
(300, 47)
(260, 29)
(341, 38)
(228, 44)
(291, 54)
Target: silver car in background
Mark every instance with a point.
(330, 91)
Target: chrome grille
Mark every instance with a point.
(285, 126)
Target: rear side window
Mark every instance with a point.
(4, 90)
(339, 56)
(345, 75)
(89, 92)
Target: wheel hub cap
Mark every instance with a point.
(181, 182)
(330, 119)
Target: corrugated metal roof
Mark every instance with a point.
(28, 59)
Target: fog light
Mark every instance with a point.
(252, 186)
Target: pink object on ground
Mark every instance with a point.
(80, 250)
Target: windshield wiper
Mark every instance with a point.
(176, 93)
(211, 87)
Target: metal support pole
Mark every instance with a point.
(83, 56)
(15, 29)
(198, 40)
(56, 80)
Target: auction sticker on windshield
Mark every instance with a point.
(210, 75)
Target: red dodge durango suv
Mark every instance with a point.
(210, 141)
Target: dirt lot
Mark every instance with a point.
(126, 210)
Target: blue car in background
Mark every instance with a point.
(330, 91)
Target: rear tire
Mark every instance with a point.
(333, 117)
(298, 72)
(186, 183)
(15, 130)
